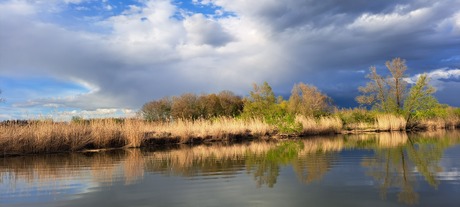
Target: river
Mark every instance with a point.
(385, 169)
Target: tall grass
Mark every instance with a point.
(390, 122)
(322, 125)
(48, 136)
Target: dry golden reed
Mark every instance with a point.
(451, 122)
(48, 136)
(323, 125)
(390, 122)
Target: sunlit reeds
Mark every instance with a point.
(390, 122)
(48, 136)
(322, 125)
(451, 122)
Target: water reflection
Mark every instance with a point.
(395, 164)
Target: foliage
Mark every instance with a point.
(262, 103)
(357, 115)
(307, 100)
(287, 123)
(420, 98)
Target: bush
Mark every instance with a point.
(357, 115)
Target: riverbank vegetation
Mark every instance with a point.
(387, 104)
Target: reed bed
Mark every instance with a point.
(49, 136)
(439, 123)
(323, 125)
(390, 122)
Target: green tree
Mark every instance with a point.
(420, 98)
(307, 100)
(261, 102)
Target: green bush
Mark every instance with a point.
(357, 115)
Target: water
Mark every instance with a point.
(387, 169)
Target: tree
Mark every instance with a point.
(231, 104)
(420, 98)
(186, 106)
(385, 94)
(261, 102)
(391, 94)
(307, 100)
(158, 110)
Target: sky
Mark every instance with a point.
(93, 58)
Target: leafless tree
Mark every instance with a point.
(308, 100)
(386, 94)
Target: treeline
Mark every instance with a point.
(192, 106)
(305, 100)
(381, 95)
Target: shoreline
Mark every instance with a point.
(47, 137)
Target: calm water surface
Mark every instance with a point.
(387, 169)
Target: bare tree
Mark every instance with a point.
(386, 94)
(158, 110)
(396, 82)
(308, 100)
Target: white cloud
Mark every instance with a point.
(439, 78)
(392, 22)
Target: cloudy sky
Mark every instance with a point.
(96, 57)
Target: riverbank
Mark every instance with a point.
(36, 137)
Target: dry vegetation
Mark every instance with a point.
(49, 136)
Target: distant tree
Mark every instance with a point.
(191, 106)
(307, 100)
(186, 106)
(231, 104)
(210, 106)
(158, 110)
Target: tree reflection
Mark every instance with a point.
(393, 167)
(313, 166)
